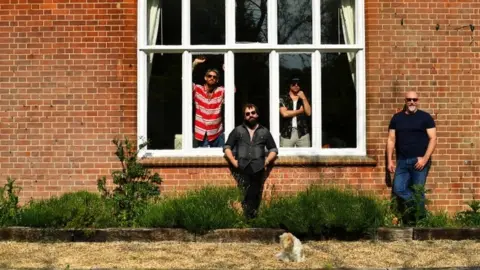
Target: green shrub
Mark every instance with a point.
(197, 211)
(318, 211)
(436, 220)
(72, 210)
(135, 185)
(208, 209)
(9, 203)
(162, 214)
(471, 217)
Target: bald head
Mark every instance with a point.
(411, 94)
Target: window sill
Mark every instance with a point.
(281, 161)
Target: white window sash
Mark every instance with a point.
(229, 49)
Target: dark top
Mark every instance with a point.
(411, 138)
(286, 123)
(250, 152)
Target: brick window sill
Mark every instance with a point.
(281, 161)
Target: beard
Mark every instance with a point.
(252, 122)
(411, 109)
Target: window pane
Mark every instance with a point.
(295, 82)
(252, 84)
(339, 121)
(208, 101)
(338, 21)
(164, 116)
(294, 21)
(251, 21)
(207, 21)
(164, 22)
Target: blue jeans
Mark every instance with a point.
(405, 177)
(218, 142)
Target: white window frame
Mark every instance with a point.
(274, 49)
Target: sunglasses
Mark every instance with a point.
(211, 76)
(295, 83)
(252, 113)
(411, 99)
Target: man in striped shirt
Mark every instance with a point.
(208, 99)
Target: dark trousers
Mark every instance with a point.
(251, 184)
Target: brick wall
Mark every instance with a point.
(67, 87)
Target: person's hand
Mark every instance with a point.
(199, 60)
(420, 163)
(391, 167)
(301, 95)
(266, 163)
(235, 163)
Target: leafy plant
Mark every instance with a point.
(72, 210)
(207, 209)
(161, 214)
(9, 202)
(134, 184)
(436, 220)
(415, 210)
(471, 217)
(197, 211)
(318, 211)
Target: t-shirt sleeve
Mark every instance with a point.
(393, 123)
(429, 122)
(282, 103)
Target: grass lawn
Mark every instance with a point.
(237, 255)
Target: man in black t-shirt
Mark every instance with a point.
(412, 133)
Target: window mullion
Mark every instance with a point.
(272, 16)
(185, 22)
(274, 96)
(229, 93)
(142, 85)
(317, 23)
(187, 121)
(317, 100)
(230, 22)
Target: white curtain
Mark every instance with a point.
(347, 14)
(154, 17)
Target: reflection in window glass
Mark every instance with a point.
(252, 84)
(207, 21)
(208, 101)
(164, 115)
(338, 101)
(164, 22)
(251, 21)
(338, 21)
(294, 21)
(295, 100)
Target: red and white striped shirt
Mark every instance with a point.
(208, 112)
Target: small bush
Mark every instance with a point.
(327, 212)
(72, 210)
(135, 185)
(197, 211)
(208, 209)
(436, 220)
(162, 214)
(9, 203)
(471, 217)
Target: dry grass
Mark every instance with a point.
(237, 255)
